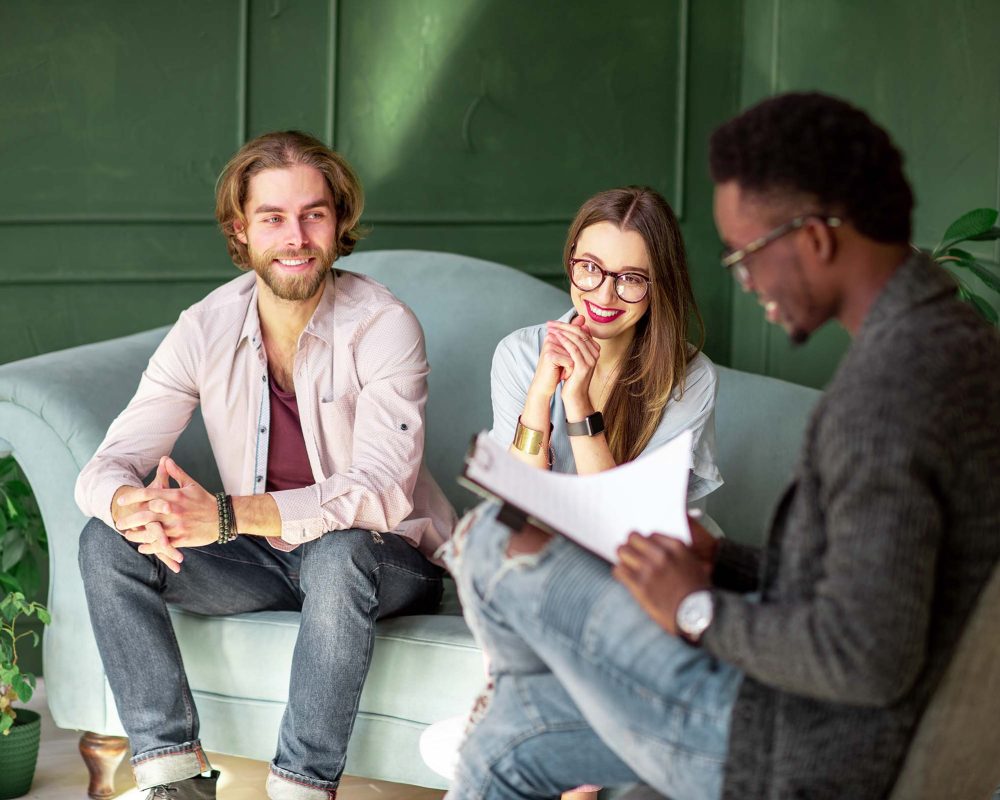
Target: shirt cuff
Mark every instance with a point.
(301, 514)
(103, 494)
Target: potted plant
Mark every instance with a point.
(978, 225)
(23, 546)
(20, 729)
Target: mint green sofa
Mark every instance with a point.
(55, 408)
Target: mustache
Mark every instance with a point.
(271, 255)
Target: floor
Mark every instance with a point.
(61, 775)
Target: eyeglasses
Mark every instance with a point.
(735, 259)
(587, 276)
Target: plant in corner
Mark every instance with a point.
(978, 225)
(22, 547)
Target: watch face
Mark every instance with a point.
(694, 614)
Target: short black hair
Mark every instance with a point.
(814, 144)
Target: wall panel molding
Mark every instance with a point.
(332, 70)
(112, 278)
(242, 71)
(88, 218)
(680, 145)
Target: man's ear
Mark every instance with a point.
(822, 240)
(240, 229)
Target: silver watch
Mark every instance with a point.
(694, 614)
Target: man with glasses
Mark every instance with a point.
(800, 669)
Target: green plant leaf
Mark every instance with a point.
(5, 724)
(987, 236)
(44, 615)
(17, 488)
(27, 573)
(985, 309)
(973, 223)
(9, 583)
(14, 547)
(988, 278)
(22, 688)
(953, 254)
(13, 512)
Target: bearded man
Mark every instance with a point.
(312, 385)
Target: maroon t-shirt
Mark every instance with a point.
(287, 460)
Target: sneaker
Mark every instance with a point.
(200, 787)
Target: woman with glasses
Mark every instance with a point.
(613, 378)
(616, 376)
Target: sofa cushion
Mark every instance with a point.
(249, 656)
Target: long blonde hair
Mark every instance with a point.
(654, 366)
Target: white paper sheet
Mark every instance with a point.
(596, 511)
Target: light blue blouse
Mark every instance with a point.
(514, 365)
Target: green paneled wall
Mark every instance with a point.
(477, 126)
(929, 71)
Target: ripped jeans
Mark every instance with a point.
(588, 687)
(341, 582)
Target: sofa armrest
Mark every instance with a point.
(54, 412)
(955, 751)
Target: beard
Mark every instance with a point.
(293, 287)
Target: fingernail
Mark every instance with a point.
(694, 513)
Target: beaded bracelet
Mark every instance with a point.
(227, 517)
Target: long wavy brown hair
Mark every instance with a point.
(280, 150)
(656, 362)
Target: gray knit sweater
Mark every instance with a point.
(877, 552)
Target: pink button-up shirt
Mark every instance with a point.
(360, 378)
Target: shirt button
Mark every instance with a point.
(263, 430)
(263, 378)
(260, 478)
(404, 427)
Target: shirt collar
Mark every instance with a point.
(251, 322)
(918, 280)
(320, 324)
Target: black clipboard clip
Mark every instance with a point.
(511, 516)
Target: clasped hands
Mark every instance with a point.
(161, 519)
(569, 354)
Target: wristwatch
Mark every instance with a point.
(694, 615)
(588, 426)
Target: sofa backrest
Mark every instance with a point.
(759, 423)
(466, 306)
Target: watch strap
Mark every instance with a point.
(588, 426)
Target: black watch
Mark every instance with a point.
(588, 426)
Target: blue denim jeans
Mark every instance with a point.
(341, 582)
(588, 688)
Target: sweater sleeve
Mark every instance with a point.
(858, 636)
(737, 567)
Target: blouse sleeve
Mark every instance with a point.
(514, 364)
(694, 410)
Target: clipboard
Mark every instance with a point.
(598, 511)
